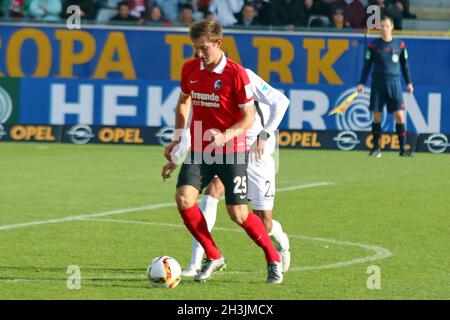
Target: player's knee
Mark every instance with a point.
(377, 117)
(215, 188)
(399, 118)
(238, 218)
(184, 199)
(238, 213)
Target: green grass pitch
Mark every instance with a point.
(107, 210)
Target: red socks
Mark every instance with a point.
(196, 223)
(255, 229)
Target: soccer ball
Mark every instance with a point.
(164, 272)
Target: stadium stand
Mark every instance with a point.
(423, 15)
(431, 15)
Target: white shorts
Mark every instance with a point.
(261, 179)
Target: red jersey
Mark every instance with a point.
(217, 97)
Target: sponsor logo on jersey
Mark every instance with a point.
(265, 88)
(205, 96)
(205, 99)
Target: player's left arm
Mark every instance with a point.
(405, 67)
(278, 104)
(275, 99)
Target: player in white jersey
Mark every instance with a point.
(270, 106)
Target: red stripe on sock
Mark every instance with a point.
(255, 229)
(196, 224)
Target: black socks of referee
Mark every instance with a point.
(376, 131)
(399, 129)
(401, 133)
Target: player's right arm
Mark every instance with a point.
(368, 61)
(182, 113)
(167, 170)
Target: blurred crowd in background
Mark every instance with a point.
(289, 14)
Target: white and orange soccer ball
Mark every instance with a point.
(164, 272)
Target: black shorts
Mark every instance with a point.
(231, 170)
(387, 93)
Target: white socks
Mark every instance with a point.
(279, 238)
(208, 206)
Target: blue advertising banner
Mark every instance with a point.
(130, 75)
(152, 103)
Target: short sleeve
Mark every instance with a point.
(184, 81)
(244, 90)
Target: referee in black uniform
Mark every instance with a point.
(390, 59)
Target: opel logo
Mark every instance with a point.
(165, 136)
(80, 134)
(437, 143)
(346, 140)
(5, 105)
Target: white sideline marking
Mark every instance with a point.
(83, 216)
(380, 253)
(123, 277)
(137, 209)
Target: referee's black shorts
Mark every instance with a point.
(199, 169)
(387, 93)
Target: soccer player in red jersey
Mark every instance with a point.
(221, 96)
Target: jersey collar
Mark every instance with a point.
(220, 67)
